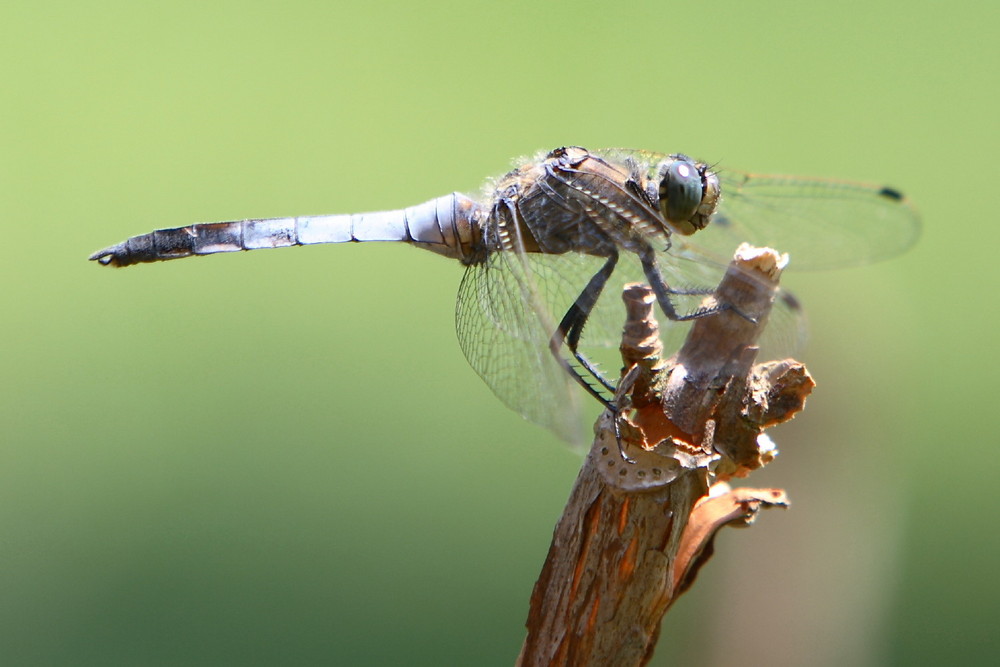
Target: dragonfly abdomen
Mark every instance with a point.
(443, 225)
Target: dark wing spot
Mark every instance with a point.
(790, 301)
(891, 193)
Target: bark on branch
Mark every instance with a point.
(634, 533)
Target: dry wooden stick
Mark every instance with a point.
(634, 534)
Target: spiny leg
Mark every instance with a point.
(569, 331)
(663, 292)
(571, 328)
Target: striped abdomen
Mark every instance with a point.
(445, 225)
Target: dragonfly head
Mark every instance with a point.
(688, 193)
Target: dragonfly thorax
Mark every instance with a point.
(573, 201)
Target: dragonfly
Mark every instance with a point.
(549, 246)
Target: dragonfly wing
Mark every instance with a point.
(504, 318)
(509, 306)
(822, 224)
(687, 266)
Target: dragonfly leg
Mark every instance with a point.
(623, 403)
(571, 328)
(569, 332)
(663, 293)
(692, 291)
(618, 439)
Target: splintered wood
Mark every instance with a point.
(645, 508)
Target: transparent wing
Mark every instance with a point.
(509, 307)
(688, 264)
(504, 324)
(822, 224)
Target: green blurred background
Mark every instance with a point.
(282, 457)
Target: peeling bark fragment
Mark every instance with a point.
(737, 507)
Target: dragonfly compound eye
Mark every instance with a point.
(681, 190)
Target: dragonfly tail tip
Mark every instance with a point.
(107, 256)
